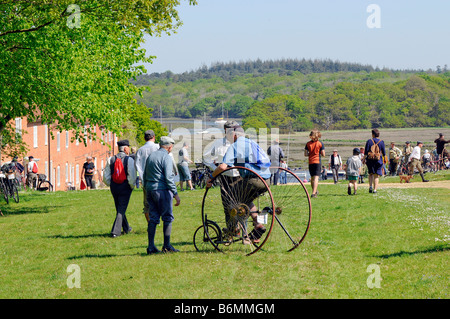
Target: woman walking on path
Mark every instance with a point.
(375, 153)
(314, 149)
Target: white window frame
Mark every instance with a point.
(35, 136)
(58, 141)
(46, 134)
(18, 125)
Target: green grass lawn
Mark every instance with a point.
(403, 232)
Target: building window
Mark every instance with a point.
(19, 126)
(67, 139)
(52, 178)
(58, 141)
(77, 174)
(46, 169)
(67, 172)
(58, 176)
(46, 134)
(35, 136)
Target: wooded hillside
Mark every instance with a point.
(302, 94)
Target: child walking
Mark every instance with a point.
(353, 170)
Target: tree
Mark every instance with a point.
(70, 65)
(141, 119)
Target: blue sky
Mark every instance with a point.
(413, 34)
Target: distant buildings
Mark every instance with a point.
(61, 159)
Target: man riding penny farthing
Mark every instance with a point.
(238, 216)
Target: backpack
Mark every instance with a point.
(374, 152)
(35, 168)
(119, 174)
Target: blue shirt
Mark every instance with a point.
(158, 173)
(244, 152)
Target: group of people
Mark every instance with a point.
(28, 173)
(155, 165)
(374, 156)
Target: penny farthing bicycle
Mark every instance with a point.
(231, 211)
(227, 213)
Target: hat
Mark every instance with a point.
(419, 142)
(149, 134)
(408, 142)
(230, 124)
(123, 143)
(165, 140)
(440, 134)
(30, 157)
(335, 150)
(356, 150)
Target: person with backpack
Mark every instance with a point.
(183, 167)
(375, 155)
(32, 170)
(120, 175)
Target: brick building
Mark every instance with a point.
(62, 159)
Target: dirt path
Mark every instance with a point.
(439, 184)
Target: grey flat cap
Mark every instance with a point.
(165, 140)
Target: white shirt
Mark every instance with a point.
(31, 165)
(415, 153)
(214, 153)
(183, 156)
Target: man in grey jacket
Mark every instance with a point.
(161, 190)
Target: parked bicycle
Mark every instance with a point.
(200, 176)
(44, 184)
(9, 183)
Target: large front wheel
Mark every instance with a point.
(242, 208)
(292, 211)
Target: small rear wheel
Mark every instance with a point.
(202, 242)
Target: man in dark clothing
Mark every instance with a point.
(121, 192)
(440, 145)
(87, 173)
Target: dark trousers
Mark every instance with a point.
(392, 167)
(335, 170)
(121, 194)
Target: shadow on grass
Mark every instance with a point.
(435, 249)
(11, 210)
(80, 236)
